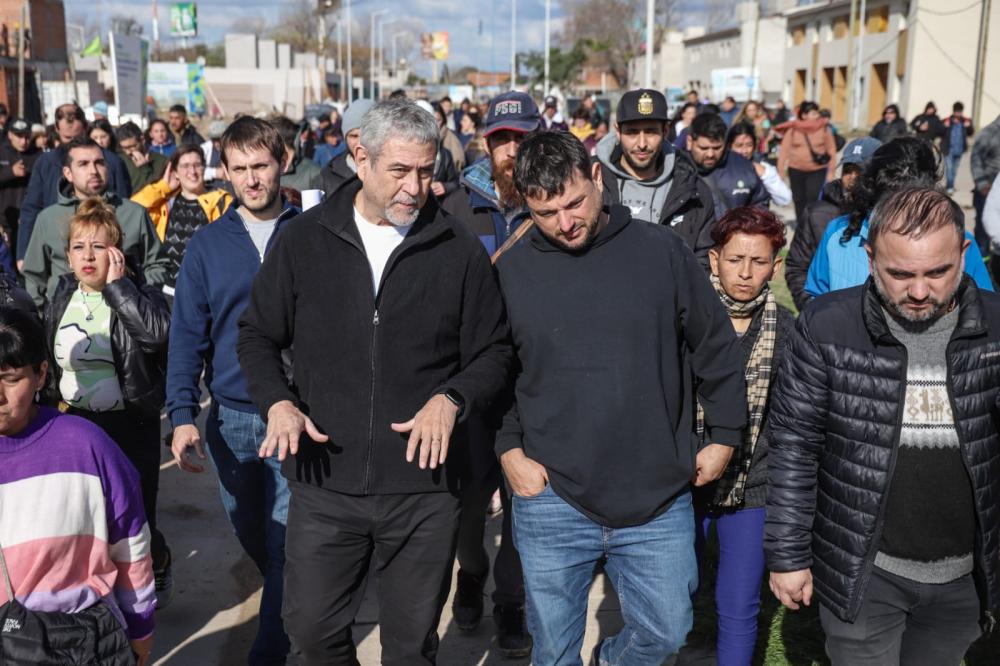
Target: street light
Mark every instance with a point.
(371, 69)
(395, 60)
(350, 73)
(548, 17)
(650, 16)
(513, 44)
(381, 50)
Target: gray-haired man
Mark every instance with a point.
(399, 332)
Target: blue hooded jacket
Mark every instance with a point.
(476, 201)
(839, 265)
(213, 290)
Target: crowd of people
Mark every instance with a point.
(494, 304)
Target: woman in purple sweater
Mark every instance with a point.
(72, 526)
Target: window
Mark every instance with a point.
(798, 35)
(841, 26)
(877, 19)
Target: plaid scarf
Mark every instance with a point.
(730, 486)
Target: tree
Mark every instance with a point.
(616, 29)
(297, 26)
(564, 66)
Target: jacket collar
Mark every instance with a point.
(337, 215)
(971, 315)
(619, 218)
(67, 195)
(233, 223)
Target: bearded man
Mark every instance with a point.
(884, 465)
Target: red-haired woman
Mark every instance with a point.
(743, 261)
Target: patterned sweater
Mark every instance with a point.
(72, 524)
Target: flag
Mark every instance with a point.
(93, 48)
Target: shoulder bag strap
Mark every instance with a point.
(6, 576)
(522, 229)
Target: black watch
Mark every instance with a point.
(456, 399)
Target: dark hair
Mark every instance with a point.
(930, 105)
(398, 93)
(708, 125)
(682, 109)
(710, 108)
(103, 124)
(22, 341)
(904, 162)
(3, 109)
(913, 212)
(806, 107)
(445, 99)
(547, 161)
(287, 130)
(185, 149)
(76, 113)
(742, 128)
(958, 106)
(248, 132)
(158, 121)
(83, 141)
(178, 108)
(323, 116)
(128, 131)
(751, 220)
(892, 107)
(333, 130)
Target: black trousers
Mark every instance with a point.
(333, 539)
(138, 436)
(472, 556)
(806, 187)
(905, 622)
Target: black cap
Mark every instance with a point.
(19, 127)
(642, 104)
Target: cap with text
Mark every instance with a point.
(514, 111)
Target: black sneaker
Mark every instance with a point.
(164, 582)
(467, 608)
(513, 639)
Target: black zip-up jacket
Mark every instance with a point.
(734, 183)
(335, 174)
(836, 415)
(807, 237)
(13, 188)
(364, 361)
(689, 209)
(140, 328)
(604, 339)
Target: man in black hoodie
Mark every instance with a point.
(641, 170)
(606, 313)
(399, 331)
(17, 159)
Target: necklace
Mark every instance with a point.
(83, 297)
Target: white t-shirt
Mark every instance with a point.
(379, 242)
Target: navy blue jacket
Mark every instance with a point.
(476, 204)
(734, 183)
(43, 189)
(213, 290)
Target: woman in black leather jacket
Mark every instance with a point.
(107, 336)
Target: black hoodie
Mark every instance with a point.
(364, 361)
(831, 205)
(604, 339)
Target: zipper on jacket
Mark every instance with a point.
(369, 461)
(869, 562)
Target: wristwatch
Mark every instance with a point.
(456, 399)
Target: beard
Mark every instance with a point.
(503, 180)
(912, 321)
(638, 166)
(402, 219)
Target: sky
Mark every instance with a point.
(460, 18)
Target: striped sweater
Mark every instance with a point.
(72, 524)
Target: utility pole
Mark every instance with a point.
(851, 65)
(548, 18)
(156, 34)
(20, 60)
(984, 32)
(350, 72)
(753, 56)
(858, 65)
(513, 44)
(371, 68)
(650, 18)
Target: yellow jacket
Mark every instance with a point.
(157, 199)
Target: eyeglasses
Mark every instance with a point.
(191, 166)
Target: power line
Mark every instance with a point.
(951, 13)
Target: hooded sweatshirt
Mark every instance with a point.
(644, 198)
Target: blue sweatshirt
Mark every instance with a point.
(839, 265)
(213, 290)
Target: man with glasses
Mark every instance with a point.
(43, 188)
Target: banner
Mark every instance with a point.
(183, 19)
(129, 62)
(168, 84)
(196, 89)
(434, 45)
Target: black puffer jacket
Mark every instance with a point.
(808, 235)
(835, 422)
(140, 328)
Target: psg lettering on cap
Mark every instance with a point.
(645, 104)
(507, 108)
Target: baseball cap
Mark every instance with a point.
(101, 107)
(512, 110)
(19, 127)
(354, 113)
(860, 151)
(642, 104)
(551, 102)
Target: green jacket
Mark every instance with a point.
(150, 172)
(45, 260)
(303, 174)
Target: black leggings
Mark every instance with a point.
(806, 187)
(138, 436)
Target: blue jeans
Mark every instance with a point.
(951, 163)
(255, 497)
(652, 568)
(737, 587)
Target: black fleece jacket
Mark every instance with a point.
(604, 337)
(364, 361)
